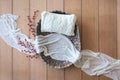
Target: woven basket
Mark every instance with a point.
(75, 40)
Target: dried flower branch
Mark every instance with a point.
(29, 48)
(32, 28)
(32, 23)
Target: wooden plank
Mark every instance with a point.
(38, 66)
(52, 73)
(118, 29)
(89, 29)
(55, 5)
(21, 68)
(74, 7)
(5, 50)
(107, 28)
(55, 74)
(72, 73)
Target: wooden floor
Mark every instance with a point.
(99, 24)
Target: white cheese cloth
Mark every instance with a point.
(10, 34)
(59, 23)
(60, 48)
(96, 63)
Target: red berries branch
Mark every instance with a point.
(29, 48)
(32, 23)
(28, 45)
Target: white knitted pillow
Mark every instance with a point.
(59, 23)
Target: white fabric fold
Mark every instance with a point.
(59, 23)
(96, 63)
(11, 35)
(58, 47)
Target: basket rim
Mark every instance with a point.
(64, 64)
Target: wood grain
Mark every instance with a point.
(73, 7)
(107, 28)
(89, 29)
(5, 50)
(118, 29)
(37, 66)
(21, 65)
(55, 5)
